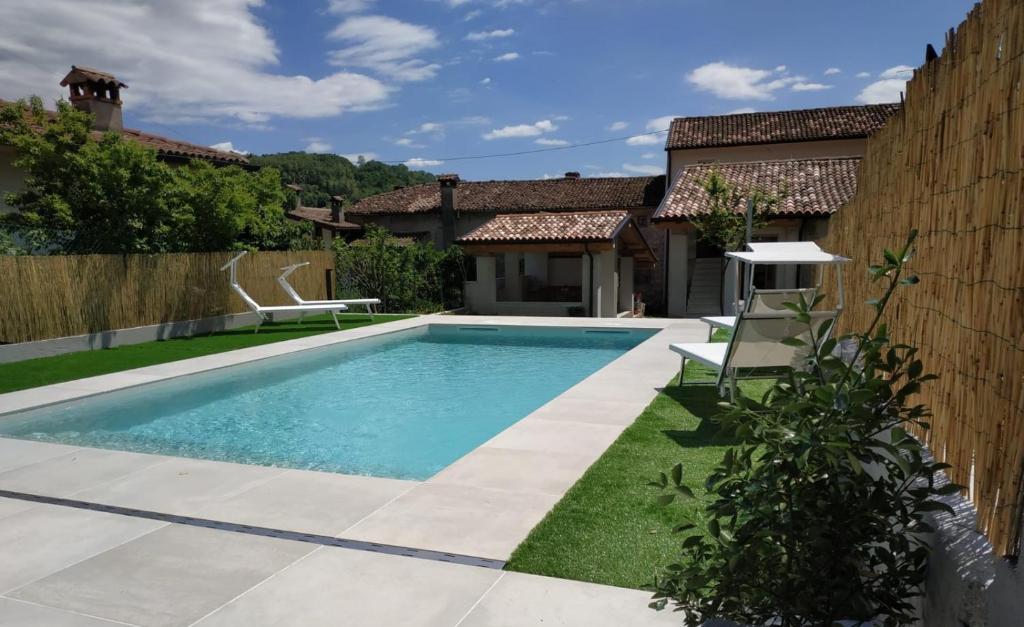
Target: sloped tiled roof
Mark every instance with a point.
(321, 216)
(171, 147)
(771, 127)
(808, 187)
(522, 196)
(581, 226)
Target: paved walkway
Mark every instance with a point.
(71, 566)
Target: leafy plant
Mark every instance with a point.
(816, 515)
(406, 277)
(724, 224)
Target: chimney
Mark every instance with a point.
(337, 210)
(298, 194)
(97, 93)
(572, 175)
(449, 207)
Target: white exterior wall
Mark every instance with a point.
(626, 267)
(605, 279)
(764, 152)
(481, 294)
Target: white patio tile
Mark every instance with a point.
(359, 589)
(47, 538)
(456, 519)
(10, 507)
(515, 470)
(167, 578)
(557, 436)
(520, 600)
(74, 471)
(575, 409)
(311, 502)
(14, 613)
(180, 486)
(17, 453)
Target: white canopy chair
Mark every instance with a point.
(287, 287)
(264, 312)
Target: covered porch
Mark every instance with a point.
(555, 264)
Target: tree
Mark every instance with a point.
(724, 224)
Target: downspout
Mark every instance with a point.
(590, 296)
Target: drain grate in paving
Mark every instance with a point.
(296, 536)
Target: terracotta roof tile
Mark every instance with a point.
(582, 226)
(522, 196)
(810, 187)
(321, 216)
(772, 127)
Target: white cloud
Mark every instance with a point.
(742, 110)
(886, 90)
(904, 72)
(417, 162)
(863, 74)
(544, 141)
(354, 156)
(189, 60)
(472, 15)
(491, 34)
(660, 124)
(603, 175)
(486, 80)
(508, 56)
(832, 70)
(646, 140)
(742, 83)
(407, 142)
(649, 155)
(809, 86)
(618, 126)
(317, 145)
(647, 170)
(348, 6)
(522, 130)
(386, 46)
(228, 147)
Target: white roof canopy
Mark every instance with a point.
(786, 253)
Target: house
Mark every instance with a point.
(99, 94)
(809, 157)
(568, 245)
(329, 223)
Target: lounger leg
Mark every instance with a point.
(682, 371)
(732, 387)
(302, 315)
(259, 321)
(334, 315)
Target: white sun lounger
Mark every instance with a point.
(287, 287)
(755, 349)
(264, 312)
(761, 301)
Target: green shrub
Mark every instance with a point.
(817, 514)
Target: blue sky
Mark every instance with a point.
(424, 81)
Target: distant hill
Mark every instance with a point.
(323, 176)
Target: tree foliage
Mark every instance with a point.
(405, 277)
(817, 514)
(87, 192)
(323, 175)
(724, 224)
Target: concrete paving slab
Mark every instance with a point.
(16, 453)
(10, 507)
(359, 589)
(520, 600)
(557, 436)
(180, 486)
(15, 613)
(167, 578)
(502, 469)
(78, 470)
(46, 538)
(619, 413)
(457, 519)
(311, 502)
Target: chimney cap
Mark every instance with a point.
(294, 187)
(448, 180)
(337, 198)
(82, 74)
(572, 175)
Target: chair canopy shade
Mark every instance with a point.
(769, 253)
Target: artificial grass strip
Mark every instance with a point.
(608, 528)
(31, 373)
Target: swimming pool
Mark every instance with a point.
(403, 404)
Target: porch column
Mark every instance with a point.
(585, 281)
(605, 298)
(625, 284)
(485, 292)
(678, 262)
(513, 280)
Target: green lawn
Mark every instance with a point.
(608, 528)
(46, 370)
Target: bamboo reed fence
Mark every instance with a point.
(950, 164)
(46, 297)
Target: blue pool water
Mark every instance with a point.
(402, 405)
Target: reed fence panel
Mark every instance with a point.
(950, 164)
(44, 297)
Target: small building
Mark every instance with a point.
(810, 157)
(329, 223)
(99, 93)
(556, 264)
